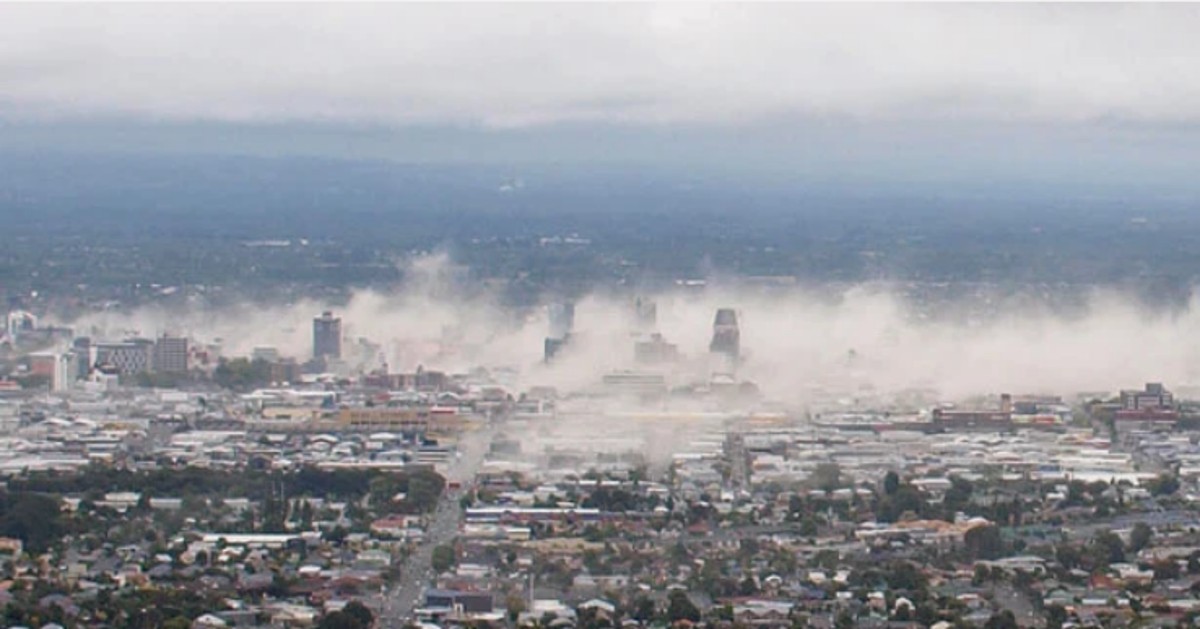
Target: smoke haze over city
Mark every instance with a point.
(862, 340)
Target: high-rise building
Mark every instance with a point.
(65, 372)
(552, 347)
(327, 336)
(81, 347)
(18, 322)
(58, 369)
(171, 354)
(726, 337)
(646, 314)
(562, 322)
(562, 319)
(128, 357)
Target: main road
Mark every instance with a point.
(416, 573)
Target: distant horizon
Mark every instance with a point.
(1093, 97)
(1105, 159)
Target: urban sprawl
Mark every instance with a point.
(155, 482)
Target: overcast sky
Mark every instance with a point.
(505, 65)
(497, 70)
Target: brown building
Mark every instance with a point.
(406, 419)
(972, 420)
(421, 380)
(409, 419)
(286, 370)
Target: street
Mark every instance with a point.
(416, 573)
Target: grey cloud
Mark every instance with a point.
(500, 65)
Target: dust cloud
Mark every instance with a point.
(795, 342)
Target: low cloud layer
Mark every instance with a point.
(502, 65)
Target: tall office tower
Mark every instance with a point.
(81, 347)
(562, 322)
(552, 347)
(646, 314)
(65, 372)
(726, 338)
(327, 336)
(562, 319)
(171, 354)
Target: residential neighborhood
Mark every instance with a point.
(455, 500)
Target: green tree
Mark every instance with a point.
(424, 489)
(444, 558)
(242, 373)
(984, 542)
(1068, 556)
(1002, 620)
(826, 558)
(748, 586)
(35, 519)
(1140, 537)
(783, 562)
(274, 515)
(827, 476)
(1193, 564)
(748, 547)
(644, 610)
(1163, 485)
(891, 483)
(1076, 493)
(337, 535)
(958, 497)
(1106, 548)
(680, 607)
(360, 612)
(904, 499)
(927, 614)
(340, 620)
(903, 575)
(306, 516)
(1056, 616)
(982, 575)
